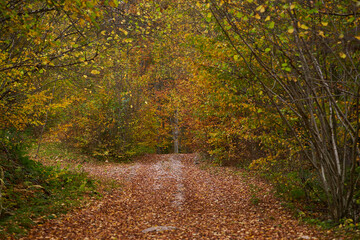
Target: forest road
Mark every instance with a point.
(170, 197)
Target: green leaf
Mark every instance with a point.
(208, 17)
(239, 15)
(271, 25)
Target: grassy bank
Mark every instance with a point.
(32, 193)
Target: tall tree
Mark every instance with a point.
(309, 53)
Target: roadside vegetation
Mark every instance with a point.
(32, 193)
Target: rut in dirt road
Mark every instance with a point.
(168, 197)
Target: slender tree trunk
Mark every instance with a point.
(1, 188)
(176, 132)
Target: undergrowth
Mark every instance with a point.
(300, 193)
(33, 193)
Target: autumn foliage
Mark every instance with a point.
(272, 86)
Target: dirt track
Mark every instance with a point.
(169, 197)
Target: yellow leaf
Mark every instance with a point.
(260, 8)
(257, 16)
(321, 33)
(324, 23)
(342, 55)
(303, 26)
(95, 72)
(357, 37)
(292, 6)
(124, 31)
(291, 30)
(267, 18)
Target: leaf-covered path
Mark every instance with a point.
(169, 197)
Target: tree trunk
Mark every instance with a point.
(176, 132)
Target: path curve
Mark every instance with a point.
(169, 197)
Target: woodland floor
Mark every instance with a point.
(169, 197)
